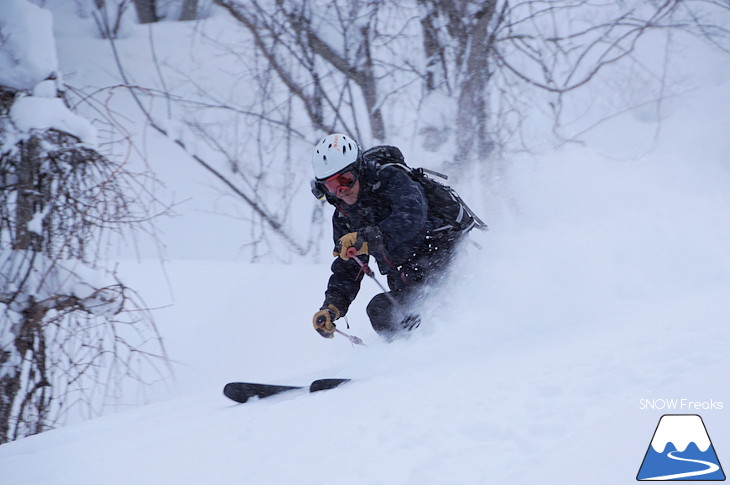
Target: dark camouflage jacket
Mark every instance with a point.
(397, 205)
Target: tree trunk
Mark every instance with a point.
(472, 135)
(432, 48)
(368, 85)
(146, 11)
(9, 387)
(28, 196)
(189, 10)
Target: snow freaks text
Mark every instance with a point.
(679, 404)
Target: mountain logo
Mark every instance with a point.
(680, 450)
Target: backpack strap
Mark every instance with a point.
(402, 166)
(383, 156)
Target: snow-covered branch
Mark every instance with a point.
(60, 201)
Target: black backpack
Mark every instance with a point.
(445, 207)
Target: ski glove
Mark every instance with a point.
(324, 320)
(367, 239)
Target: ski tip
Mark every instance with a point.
(232, 391)
(325, 384)
(242, 392)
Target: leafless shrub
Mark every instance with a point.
(71, 333)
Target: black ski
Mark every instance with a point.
(241, 392)
(325, 384)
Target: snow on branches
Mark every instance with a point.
(70, 331)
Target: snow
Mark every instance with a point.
(27, 60)
(41, 113)
(45, 89)
(47, 277)
(28, 48)
(601, 282)
(578, 307)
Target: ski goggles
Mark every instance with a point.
(339, 182)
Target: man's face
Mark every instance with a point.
(345, 186)
(349, 196)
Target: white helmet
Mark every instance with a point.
(333, 154)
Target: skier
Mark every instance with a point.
(380, 211)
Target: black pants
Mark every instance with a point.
(389, 319)
(396, 311)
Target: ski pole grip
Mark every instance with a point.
(352, 253)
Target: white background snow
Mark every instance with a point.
(604, 281)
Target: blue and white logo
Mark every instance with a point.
(680, 450)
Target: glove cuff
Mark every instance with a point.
(333, 309)
(372, 236)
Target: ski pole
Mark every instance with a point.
(354, 340)
(352, 252)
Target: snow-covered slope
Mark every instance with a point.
(609, 287)
(601, 283)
